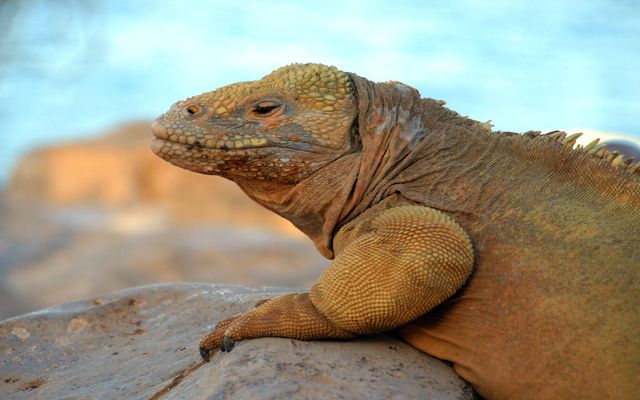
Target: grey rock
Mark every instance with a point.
(52, 256)
(142, 343)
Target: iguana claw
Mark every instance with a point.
(227, 344)
(205, 354)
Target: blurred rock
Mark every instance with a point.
(626, 147)
(79, 264)
(87, 218)
(141, 343)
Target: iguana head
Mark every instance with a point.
(281, 128)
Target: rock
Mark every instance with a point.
(142, 343)
(76, 264)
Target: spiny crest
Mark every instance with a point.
(595, 149)
(318, 85)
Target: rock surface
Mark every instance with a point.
(141, 343)
(65, 263)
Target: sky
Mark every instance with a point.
(75, 68)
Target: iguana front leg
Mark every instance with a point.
(390, 268)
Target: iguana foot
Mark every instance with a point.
(214, 336)
(291, 316)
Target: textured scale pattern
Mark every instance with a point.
(393, 268)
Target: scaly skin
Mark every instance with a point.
(515, 257)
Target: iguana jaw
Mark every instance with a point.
(257, 158)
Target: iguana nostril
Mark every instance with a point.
(159, 130)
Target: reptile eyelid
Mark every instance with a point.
(265, 108)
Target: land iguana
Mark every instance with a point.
(515, 257)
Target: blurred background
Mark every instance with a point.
(85, 208)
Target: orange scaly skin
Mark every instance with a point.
(515, 257)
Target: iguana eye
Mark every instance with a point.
(265, 108)
(193, 109)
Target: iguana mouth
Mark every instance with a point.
(178, 136)
(212, 144)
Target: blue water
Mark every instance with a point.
(70, 69)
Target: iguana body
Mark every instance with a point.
(515, 257)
